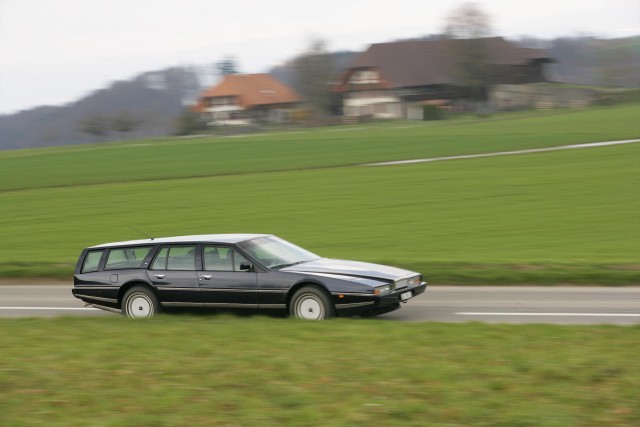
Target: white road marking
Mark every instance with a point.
(551, 314)
(48, 308)
(344, 129)
(407, 127)
(505, 153)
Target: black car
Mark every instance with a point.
(139, 278)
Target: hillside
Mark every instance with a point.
(152, 100)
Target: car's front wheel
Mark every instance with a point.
(139, 302)
(311, 303)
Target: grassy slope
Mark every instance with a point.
(171, 158)
(274, 372)
(560, 217)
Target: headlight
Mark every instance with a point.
(382, 290)
(411, 281)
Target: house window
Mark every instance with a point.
(222, 100)
(380, 108)
(365, 77)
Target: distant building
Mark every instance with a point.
(244, 99)
(395, 80)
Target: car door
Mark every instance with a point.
(222, 282)
(173, 273)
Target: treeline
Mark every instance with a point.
(613, 63)
(145, 106)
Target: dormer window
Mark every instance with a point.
(365, 77)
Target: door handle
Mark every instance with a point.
(160, 276)
(207, 276)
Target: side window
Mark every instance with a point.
(91, 261)
(175, 258)
(222, 258)
(238, 259)
(160, 263)
(127, 257)
(218, 258)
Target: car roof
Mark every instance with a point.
(204, 238)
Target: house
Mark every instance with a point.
(244, 99)
(395, 80)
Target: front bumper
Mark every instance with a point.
(350, 304)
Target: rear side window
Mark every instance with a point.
(91, 261)
(127, 257)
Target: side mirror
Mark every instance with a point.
(245, 266)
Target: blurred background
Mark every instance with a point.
(89, 71)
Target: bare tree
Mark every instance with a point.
(313, 72)
(468, 26)
(226, 66)
(468, 22)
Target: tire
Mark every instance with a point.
(140, 302)
(311, 303)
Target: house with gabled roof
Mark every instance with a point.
(244, 99)
(396, 79)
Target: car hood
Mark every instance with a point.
(341, 267)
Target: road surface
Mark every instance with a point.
(559, 305)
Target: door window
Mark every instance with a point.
(175, 258)
(222, 258)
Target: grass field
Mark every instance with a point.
(311, 148)
(547, 218)
(274, 372)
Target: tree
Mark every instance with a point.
(189, 123)
(125, 122)
(467, 27)
(226, 66)
(313, 73)
(96, 125)
(468, 22)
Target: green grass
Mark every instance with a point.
(311, 148)
(547, 218)
(199, 371)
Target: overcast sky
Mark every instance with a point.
(55, 51)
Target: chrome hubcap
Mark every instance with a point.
(139, 305)
(309, 308)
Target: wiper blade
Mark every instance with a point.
(279, 266)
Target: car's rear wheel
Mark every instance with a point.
(311, 303)
(139, 302)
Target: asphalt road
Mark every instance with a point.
(559, 305)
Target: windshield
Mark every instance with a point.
(275, 253)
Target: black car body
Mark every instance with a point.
(139, 278)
